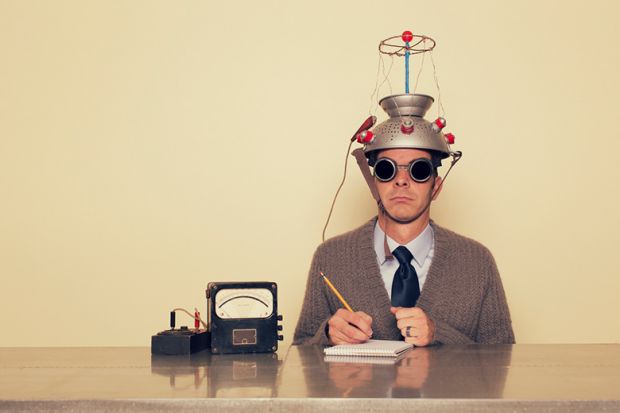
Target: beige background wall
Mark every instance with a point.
(148, 147)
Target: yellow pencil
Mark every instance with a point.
(331, 286)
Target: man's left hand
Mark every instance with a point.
(413, 323)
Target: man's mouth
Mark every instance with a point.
(400, 198)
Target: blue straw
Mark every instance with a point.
(407, 68)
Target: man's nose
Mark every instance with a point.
(402, 178)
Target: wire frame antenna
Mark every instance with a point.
(413, 44)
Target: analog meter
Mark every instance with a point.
(243, 317)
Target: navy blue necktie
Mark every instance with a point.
(405, 287)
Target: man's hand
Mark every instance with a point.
(415, 322)
(346, 327)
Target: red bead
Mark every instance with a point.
(365, 137)
(407, 36)
(450, 138)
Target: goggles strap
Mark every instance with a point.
(362, 162)
(386, 248)
(456, 156)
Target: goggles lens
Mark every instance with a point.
(420, 170)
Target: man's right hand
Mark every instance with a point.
(346, 327)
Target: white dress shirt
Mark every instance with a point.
(422, 248)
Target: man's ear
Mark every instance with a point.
(437, 187)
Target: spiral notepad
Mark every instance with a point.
(371, 348)
(365, 359)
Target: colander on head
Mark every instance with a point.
(407, 128)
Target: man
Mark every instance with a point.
(405, 276)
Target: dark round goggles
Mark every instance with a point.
(420, 170)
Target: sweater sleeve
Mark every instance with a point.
(445, 333)
(495, 325)
(315, 311)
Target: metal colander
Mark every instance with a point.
(408, 110)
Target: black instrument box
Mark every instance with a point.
(179, 341)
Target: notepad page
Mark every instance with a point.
(378, 348)
(364, 359)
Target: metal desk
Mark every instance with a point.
(547, 378)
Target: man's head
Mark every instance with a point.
(414, 183)
(404, 138)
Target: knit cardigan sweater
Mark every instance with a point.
(463, 292)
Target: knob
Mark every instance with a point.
(406, 126)
(365, 137)
(439, 124)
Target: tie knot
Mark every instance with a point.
(403, 255)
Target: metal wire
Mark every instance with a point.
(374, 97)
(374, 92)
(192, 316)
(344, 177)
(440, 110)
(387, 75)
(415, 85)
(400, 50)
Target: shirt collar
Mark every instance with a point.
(419, 247)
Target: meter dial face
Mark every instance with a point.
(244, 303)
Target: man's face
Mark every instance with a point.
(404, 199)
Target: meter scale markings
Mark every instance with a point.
(244, 303)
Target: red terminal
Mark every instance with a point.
(365, 137)
(449, 138)
(407, 36)
(368, 123)
(439, 124)
(197, 320)
(406, 126)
